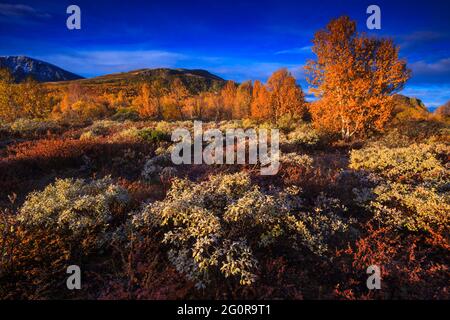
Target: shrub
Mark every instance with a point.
(102, 127)
(248, 123)
(129, 133)
(87, 135)
(33, 127)
(66, 223)
(153, 136)
(287, 122)
(124, 114)
(232, 124)
(164, 126)
(296, 160)
(417, 161)
(33, 262)
(412, 207)
(214, 227)
(87, 109)
(411, 185)
(158, 167)
(393, 139)
(76, 209)
(304, 135)
(413, 266)
(420, 130)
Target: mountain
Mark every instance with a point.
(443, 111)
(406, 107)
(22, 67)
(196, 80)
(158, 73)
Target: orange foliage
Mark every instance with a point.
(78, 102)
(355, 77)
(228, 94)
(286, 97)
(174, 102)
(28, 99)
(260, 108)
(241, 108)
(149, 102)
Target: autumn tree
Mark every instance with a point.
(260, 106)
(196, 107)
(174, 102)
(80, 102)
(63, 106)
(28, 99)
(286, 97)
(354, 76)
(228, 94)
(32, 99)
(214, 106)
(149, 103)
(443, 112)
(117, 101)
(73, 93)
(8, 108)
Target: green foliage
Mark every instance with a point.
(153, 136)
(123, 114)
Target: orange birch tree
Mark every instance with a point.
(354, 77)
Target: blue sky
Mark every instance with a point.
(237, 40)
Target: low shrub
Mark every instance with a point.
(76, 209)
(214, 227)
(158, 167)
(67, 223)
(410, 185)
(153, 136)
(124, 114)
(164, 126)
(33, 127)
(416, 162)
(412, 266)
(296, 160)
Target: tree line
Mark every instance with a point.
(353, 76)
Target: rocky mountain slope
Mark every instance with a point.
(22, 67)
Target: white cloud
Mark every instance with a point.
(99, 62)
(432, 96)
(21, 10)
(424, 68)
(300, 50)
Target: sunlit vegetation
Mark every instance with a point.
(86, 178)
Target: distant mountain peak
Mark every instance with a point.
(177, 72)
(22, 67)
(196, 80)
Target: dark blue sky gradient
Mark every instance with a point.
(237, 40)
